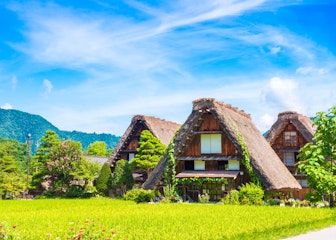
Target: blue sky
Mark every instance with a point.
(91, 65)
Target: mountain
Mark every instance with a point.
(17, 125)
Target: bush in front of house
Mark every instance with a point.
(231, 198)
(251, 193)
(248, 194)
(140, 195)
(203, 198)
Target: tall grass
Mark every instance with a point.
(116, 219)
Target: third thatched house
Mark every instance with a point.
(211, 146)
(288, 134)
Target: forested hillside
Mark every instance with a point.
(16, 125)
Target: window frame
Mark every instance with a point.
(211, 143)
(290, 138)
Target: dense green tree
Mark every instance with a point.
(122, 177)
(97, 148)
(103, 179)
(13, 180)
(55, 161)
(318, 159)
(63, 161)
(86, 171)
(39, 169)
(149, 152)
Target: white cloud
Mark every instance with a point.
(283, 94)
(47, 86)
(6, 106)
(311, 70)
(275, 50)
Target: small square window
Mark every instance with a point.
(199, 165)
(290, 138)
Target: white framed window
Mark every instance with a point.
(290, 138)
(211, 143)
(199, 165)
(130, 157)
(234, 165)
(289, 159)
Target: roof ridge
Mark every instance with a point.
(144, 117)
(200, 103)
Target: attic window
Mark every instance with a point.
(211, 143)
(290, 138)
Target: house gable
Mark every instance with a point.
(129, 142)
(209, 126)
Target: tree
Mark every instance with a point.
(13, 181)
(318, 159)
(39, 169)
(86, 171)
(149, 152)
(63, 161)
(97, 148)
(103, 179)
(122, 176)
(55, 161)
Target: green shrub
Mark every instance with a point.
(170, 194)
(231, 198)
(273, 202)
(140, 195)
(203, 198)
(75, 191)
(103, 178)
(89, 191)
(252, 192)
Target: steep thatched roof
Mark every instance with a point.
(265, 162)
(302, 123)
(162, 129)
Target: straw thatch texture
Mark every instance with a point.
(265, 162)
(162, 129)
(302, 123)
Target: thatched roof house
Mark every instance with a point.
(212, 117)
(128, 143)
(288, 134)
(302, 123)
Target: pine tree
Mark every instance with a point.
(150, 151)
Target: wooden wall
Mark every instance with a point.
(210, 124)
(279, 141)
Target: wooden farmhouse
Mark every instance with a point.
(128, 143)
(208, 146)
(288, 134)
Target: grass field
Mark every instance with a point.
(117, 219)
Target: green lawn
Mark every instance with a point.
(116, 219)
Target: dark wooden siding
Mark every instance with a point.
(209, 124)
(280, 146)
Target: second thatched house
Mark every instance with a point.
(288, 134)
(128, 143)
(219, 148)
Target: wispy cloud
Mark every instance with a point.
(175, 52)
(47, 86)
(6, 106)
(283, 93)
